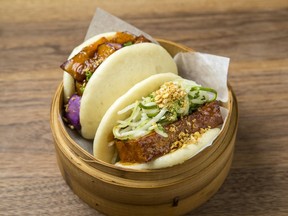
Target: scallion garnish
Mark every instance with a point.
(128, 43)
(88, 75)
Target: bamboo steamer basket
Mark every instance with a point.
(118, 191)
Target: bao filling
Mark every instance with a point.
(162, 122)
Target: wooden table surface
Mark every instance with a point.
(37, 36)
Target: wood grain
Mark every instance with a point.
(36, 36)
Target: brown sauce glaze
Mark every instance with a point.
(84, 63)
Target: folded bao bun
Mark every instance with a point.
(104, 147)
(117, 74)
(68, 80)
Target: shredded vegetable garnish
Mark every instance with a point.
(170, 102)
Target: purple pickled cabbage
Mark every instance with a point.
(115, 45)
(72, 111)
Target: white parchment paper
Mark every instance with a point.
(104, 22)
(205, 69)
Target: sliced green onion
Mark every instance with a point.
(208, 90)
(128, 43)
(88, 75)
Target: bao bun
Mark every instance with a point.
(116, 75)
(102, 148)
